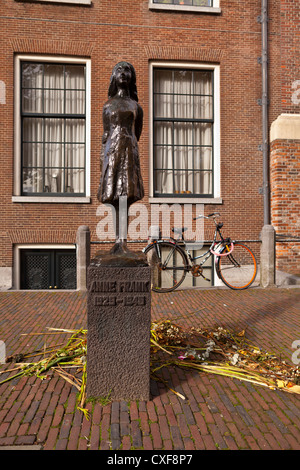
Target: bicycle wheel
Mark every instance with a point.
(168, 265)
(238, 270)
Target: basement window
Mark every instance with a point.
(192, 6)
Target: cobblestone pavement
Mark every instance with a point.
(218, 412)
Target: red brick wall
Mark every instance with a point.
(290, 56)
(285, 154)
(107, 32)
(285, 192)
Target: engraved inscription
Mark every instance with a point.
(106, 293)
(122, 286)
(112, 301)
(133, 286)
(103, 286)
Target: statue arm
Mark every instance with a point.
(104, 136)
(139, 122)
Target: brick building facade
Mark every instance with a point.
(198, 57)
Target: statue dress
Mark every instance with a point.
(120, 165)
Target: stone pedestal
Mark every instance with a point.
(119, 322)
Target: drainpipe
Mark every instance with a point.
(264, 102)
(268, 235)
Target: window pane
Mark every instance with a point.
(32, 75)
(75, 180)
(32, 154)
(54, 76)
(75, 102)
(203, 82)
(183, 82)
(54, 180)
(75, 77)
(203, 107)
(183, 106)
(183, 133)
(75, 130)
(54, 101)
(163, 157)
(32, 100)
(203, 158)
(183, 182)
(203, 133)
(54, 130)
(33, 129)
(184, 158)
(54, 155)
(163, 81)
(163, 105)
(32, 180)
(163, 132)
(163, 93)
(75, 155)
(163, 181)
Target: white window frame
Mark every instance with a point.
(17, 258)
(192, 9)
(76, 2)
(216, 199)
(17, 193)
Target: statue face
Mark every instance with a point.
(123, 75)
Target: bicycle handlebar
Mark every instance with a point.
(214, 215)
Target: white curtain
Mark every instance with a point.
(53, 147)
(183, 149)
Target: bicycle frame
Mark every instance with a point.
(220, 247)
(212, 250)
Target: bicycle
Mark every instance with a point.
(170, 260)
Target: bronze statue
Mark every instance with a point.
(119, 162)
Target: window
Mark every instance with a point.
(52, 129)
(196, 6)
(48, 269)
(196, 3)
(185, 149)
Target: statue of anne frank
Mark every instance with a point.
(119, 162)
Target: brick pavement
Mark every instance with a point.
(218, 412)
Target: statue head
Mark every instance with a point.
(112, 90)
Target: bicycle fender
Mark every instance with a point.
(220, 253)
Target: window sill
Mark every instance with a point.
(186, 8)
(52, 199)
(185, 200)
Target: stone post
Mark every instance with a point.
(267, 256)
(83, 243)
(2, 352)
